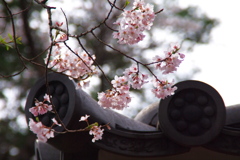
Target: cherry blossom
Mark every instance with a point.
(115, 98)
(132, 23)
(84, 118)
(46, 98)
(171, 60)
(41, 108)
(82, 84)
(55, 122)
(43, 133)
(77, 65)
(118, 97)
(163, 88)
(138, 4)
(62, 37)
(97, 133)
(134, 77)
(119, 81)
(95, 130)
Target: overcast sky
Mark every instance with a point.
(219, 60)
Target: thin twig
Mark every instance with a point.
(138, 62)
(113, 4)
(14, 41)
(89, 31)
(66, 21)
(44, 5)
(159, 11)
(80, 56)
(13, 14)
(97, 64)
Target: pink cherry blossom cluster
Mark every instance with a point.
(41, 108)
(95, 130)
(171, 60)
(43, 133)
(163, 88)
(77, 65)
(133, 23)
(118, 97)
(97, 133)
(135, 78)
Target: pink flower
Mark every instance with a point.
(62, 38)
(40, 108)
(43, 133)
(84, 118)
(34, 111)
(78, 65)
(163, 88)
(133, 22)
(135, 78)
(97, 133)
(119, 81)
(116, 98)
(170, 61)
(138, 4)
(46, 98)
(174, 47)
(56, 122)
(82, 84)
(35, 127)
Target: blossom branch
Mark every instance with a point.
(79, 65)
(92, 29)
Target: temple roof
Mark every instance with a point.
(195, 116)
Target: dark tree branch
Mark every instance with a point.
(14, 41)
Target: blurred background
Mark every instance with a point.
(208, 31)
